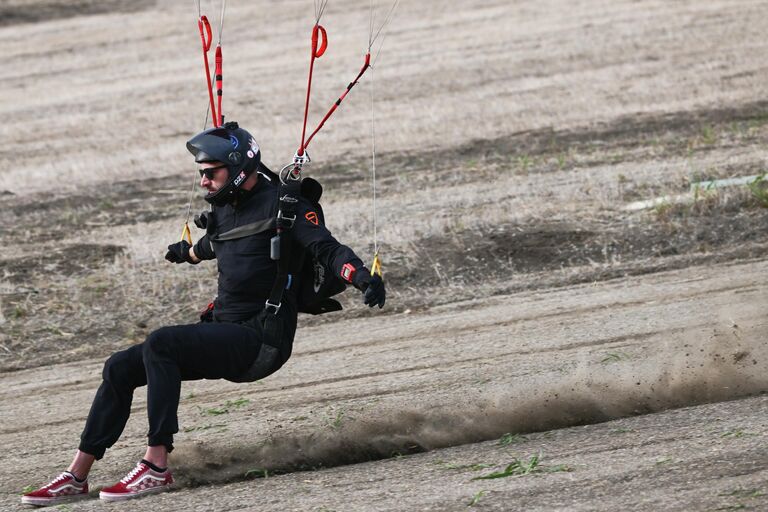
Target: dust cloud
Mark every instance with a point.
(697, 367)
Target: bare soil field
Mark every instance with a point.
(592, 356)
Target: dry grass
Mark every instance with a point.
(91, 102)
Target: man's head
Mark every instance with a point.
(228, 156)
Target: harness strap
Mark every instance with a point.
(246, 230)
(281, 247)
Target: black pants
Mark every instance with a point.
(168, 356)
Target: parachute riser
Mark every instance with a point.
(206, 38)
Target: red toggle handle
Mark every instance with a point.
(205, 32)
(318, 52)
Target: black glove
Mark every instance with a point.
(372, 286)
(179, 253)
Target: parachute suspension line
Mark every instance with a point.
(320, 6)
(376, 265)
(186, 234)
(381, 31)
(373, 35)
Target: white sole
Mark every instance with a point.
(108, 496)
(51, 502)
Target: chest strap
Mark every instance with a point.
(245, 230)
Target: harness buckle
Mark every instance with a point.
(292, 171)
(301, 159)
(285, 221)
(268, 306)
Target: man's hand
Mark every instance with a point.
(180, 253)
(372, 287)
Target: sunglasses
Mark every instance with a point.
(210, 171)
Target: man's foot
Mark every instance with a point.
(140, 481)
(62, 489)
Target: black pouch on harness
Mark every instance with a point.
(275, 347)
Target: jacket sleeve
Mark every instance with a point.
(204, 249)
(313, 236)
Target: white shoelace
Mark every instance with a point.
(138, 469)
(59, 478)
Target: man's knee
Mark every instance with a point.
(121, 366)
(159, 344)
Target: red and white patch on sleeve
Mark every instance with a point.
(347, 271)
(311, 217)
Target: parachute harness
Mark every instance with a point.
(319, 45)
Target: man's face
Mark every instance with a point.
(219, 178)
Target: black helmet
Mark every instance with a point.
(232, 146)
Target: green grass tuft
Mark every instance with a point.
(508, 439)
(476, 498)
(743, 493)
(520, 467)
(257, 473)
(612, 357)
(736, 434)
(474, 467)
(759, 190)
(224, 409)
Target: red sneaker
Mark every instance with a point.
(62, 489)
(140, 481)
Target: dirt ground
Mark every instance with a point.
(607, 358)
(427, 388)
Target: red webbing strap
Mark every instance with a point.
(333, 108)
(206, 37)
(219, 82)
(317, 52)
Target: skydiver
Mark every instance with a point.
(240, 338)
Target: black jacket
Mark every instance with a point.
(246, 271)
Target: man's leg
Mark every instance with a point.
(123, 373)
(173, 354)
(189, 352)
(81, 465)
